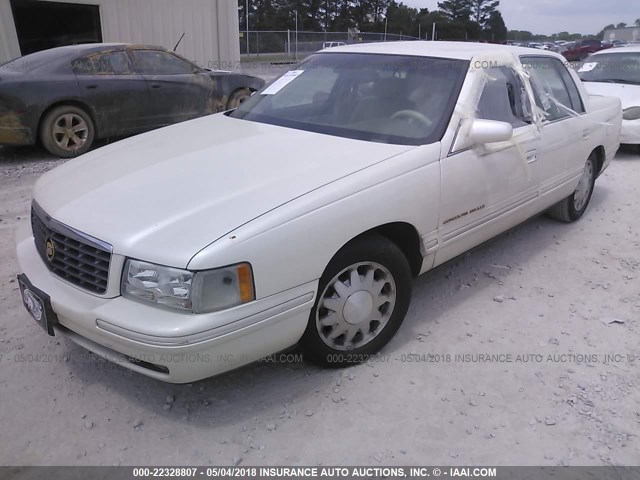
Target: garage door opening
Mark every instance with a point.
(41, 25)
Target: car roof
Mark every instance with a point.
(632, 49)
(84, 48)
(88, 48)
(438, 49)
(51, 59)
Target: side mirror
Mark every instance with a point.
(490, 131)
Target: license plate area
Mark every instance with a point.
(38, 304)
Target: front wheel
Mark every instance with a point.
(238, 97)
(363, 297)
(573, 207)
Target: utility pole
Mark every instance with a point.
(296, 12)
(326, 18)
(433, 32)
(246, 11)
(385, 28)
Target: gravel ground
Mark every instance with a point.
(557, 298)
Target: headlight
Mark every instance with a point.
(632, 113)
(197, 292)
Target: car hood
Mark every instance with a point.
(628, 94)
(165, 195)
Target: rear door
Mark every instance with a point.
(179, 90)
(565, 132)
(118, 96)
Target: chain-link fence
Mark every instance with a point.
(291, 44)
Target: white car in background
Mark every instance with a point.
(617, 73)
(303, 216)
(332, 44)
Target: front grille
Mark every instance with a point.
(78, 260)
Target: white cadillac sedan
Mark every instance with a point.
(303, 216)
(616, 72)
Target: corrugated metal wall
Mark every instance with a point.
(9, 47)
(211, 27)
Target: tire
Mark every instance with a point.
(573, 207)
(384, 275)
(237, 97)
(67, 131)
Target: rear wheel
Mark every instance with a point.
(363, 297)
(573, 207)
(67, 131)
(237, 97)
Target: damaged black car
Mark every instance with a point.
(66, 98)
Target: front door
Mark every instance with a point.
(487, 189)
(179, 90)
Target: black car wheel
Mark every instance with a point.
(237, 97)
(363, 297)
(67, 131)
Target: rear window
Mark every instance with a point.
(31, 62)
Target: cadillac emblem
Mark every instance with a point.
(50, 250)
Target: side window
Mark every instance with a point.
(504, 99)
(112, 63)
(157, 62)
(83, 66)
(556, 92)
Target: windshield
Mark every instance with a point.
(611, 67)
(381, 98)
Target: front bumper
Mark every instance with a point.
(171, 346)
(630, 132)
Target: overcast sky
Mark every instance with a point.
(552, 16)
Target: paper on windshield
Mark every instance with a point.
(587, 67)
(282, 82)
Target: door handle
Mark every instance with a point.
(92, 87)
(532, 157)
(155, 85)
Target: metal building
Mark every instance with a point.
(210, 27)
(627, 34)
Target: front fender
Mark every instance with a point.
(293, 244)
(230, 82)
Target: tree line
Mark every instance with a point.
(454, 19)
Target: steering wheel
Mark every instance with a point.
(412, 115)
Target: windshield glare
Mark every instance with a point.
(611, 67)
(381, 98)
